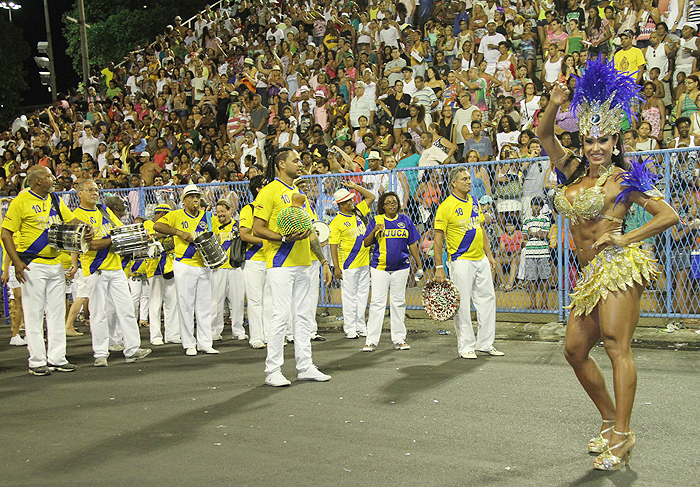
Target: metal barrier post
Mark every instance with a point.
(560, 268)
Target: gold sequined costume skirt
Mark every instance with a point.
(614, 269)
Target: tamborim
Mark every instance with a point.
(69, 237)
(440, 299)
(210, 248)
(322, 230)
(130, 241)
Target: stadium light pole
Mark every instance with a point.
(52, 68)
(10, 6)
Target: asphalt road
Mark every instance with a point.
(416, 418)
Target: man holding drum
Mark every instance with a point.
(192, 277)
(288, 260)
(106, 280)
(460, 223)
(39, 270)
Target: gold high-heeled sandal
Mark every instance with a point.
(599, 444)
(609, 461)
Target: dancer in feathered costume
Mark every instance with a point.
(597, 193)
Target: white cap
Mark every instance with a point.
(144, 154)
(373, 155)
(190, 189)
(342, 195)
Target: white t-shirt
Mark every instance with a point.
(462, 117)
(491, 55)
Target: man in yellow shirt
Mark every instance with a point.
(460, 223)
(162, 296)
(351, 257)
(106, 280)
(192, 278)
(630, 59)
(39, 270)
(288, 259)
(257, 290)
(227, 281)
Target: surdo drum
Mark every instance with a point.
(209, 247)
(63, 236)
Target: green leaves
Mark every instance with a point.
(14, 51)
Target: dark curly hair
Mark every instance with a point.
(383, 197)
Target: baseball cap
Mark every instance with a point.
(145, 154)
(342, 195)
(162, 209)
(284, 90)
(190, 189)
(188, 140)
(692, 25)
(275, 68)
(248, 61)
(320, 93)
(303, 89)
(374, 155)
(485, 200)
(250, 134)
(224, 202)
(628, 33)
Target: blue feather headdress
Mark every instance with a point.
(638, 178)
(602, 94)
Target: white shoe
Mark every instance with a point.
(174, 340)
(157, 341)
(191, 352)
(402, 346)
(312, 373)
(276, 379)
(471, 355)
(240, 337)
(368, 348)
(493, 352)
(17, 341)
(352, 335)
(116, 347)
(216, 338)
(209, 350)
(257, 344)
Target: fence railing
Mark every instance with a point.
(511, 185)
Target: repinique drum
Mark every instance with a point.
(63, 236)
(130, 240)
(209, 247)
(322, 230)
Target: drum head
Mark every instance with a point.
(322, 230)
(440, 299)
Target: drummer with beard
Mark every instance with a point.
(192, 278)
(106, 280)
(39, 270)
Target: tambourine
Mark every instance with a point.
(322, 230)
(440, 299)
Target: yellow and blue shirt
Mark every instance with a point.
(224, 234)
(158, 265)
(348, 233)
(103, 220)
(460, 220)
(253, 251)
(195, 225)
(390, 248)
(271, 200)
(31, 215)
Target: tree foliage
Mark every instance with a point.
(14, 51)
(116, 28)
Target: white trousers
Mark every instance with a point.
(112, 286)
(163, 296)
(290, 294)
(257, 292)
(394, 284)
(314, 290)
(45, 288)
(193, 286)
(116, 336)
(139, 295)
(227, 283)
(355, 291)
(474, 280)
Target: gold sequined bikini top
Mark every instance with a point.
(588, 203)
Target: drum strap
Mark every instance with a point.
(105, 214)
(56, 205)
(207, 215)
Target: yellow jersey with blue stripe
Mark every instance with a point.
(271, 200)
(160, 265)
(460, 220)
(31, 215)
(103, 220)
(224, 234)
(390, 248)
(253, 251)
(348, 233)
(195, 225)
(137, 268)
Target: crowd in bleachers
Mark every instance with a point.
(421, 83)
